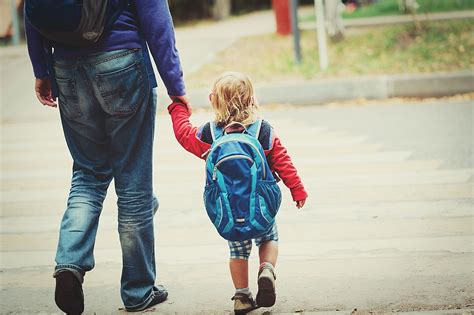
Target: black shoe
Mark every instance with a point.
(68, 294)
(160, 296)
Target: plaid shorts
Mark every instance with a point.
(242, 249)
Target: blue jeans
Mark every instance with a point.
(108, 114)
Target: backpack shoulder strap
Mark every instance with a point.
(204, 133)
(254, 129)
(266, 135)
(216, 131)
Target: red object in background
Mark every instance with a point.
(282, 15)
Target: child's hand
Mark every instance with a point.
(184, 100)
(300, 203)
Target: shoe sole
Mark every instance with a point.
(242, 312)
(68, 294)
(266, 292)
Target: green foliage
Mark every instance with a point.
(390, 7)
(442, 46)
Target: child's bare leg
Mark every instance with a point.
(239, 270)
(268, 252)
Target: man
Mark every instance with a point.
(107, 107)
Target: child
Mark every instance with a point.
(233, 100)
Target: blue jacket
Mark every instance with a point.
(152, 19)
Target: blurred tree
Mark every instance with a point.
(185, 10)
(410, 6)
(221, 9)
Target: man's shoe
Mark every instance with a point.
(243, 303)
(266, 287)
(68, 294)
(160, 296)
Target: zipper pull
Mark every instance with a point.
(214, 174)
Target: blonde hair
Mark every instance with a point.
(233, 99)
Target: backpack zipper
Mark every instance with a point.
(237, 156)
(247, 142)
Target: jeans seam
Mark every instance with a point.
(90, 88)
(87, 65)
(64, 266)
(123, 54)
(77, 269)
(144, 303)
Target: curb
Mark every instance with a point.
(396, 19)
(371, 87)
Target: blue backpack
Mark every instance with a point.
(241, 195)
(73, 22)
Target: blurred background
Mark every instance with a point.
(374, 101)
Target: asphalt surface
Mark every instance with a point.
(431, 130)
(387, 227)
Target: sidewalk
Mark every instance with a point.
(398, 19)
(217, 36)
(200, 43)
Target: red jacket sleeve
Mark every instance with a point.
(185, 132)
(280, 162)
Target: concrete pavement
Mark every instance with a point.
(382, 231)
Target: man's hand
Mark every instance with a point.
(300, 203)
(182, 99)
(44, 93)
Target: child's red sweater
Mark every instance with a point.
(277, 156)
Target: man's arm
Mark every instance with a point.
(37, 51)
(157, 26)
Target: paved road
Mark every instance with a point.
(388, 226)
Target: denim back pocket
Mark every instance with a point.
(123, 90)
(68, 99)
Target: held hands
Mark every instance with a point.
(300, 203)
(43, 92)
(184, 100)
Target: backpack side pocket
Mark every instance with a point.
(271, 194)
(213, 204)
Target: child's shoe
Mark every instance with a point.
(266, 286)
(243, 303)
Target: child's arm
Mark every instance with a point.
(185, 132)
(281, 163)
